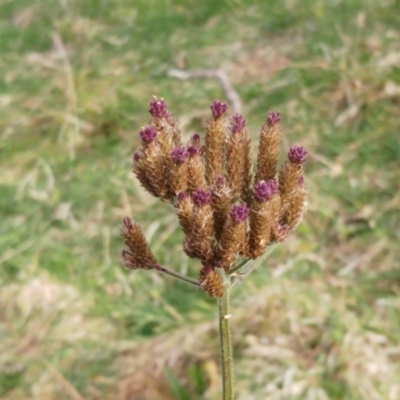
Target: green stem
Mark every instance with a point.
(176, 275)
(225, 343)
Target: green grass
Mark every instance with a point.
(320, 322)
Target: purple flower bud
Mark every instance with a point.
(195, 140)
(137, 156)
(179, 155)
(273, 118)
(297, 154)
(193, 150)
(127, 222)
(182, 196)
(300, 181)
(263, 190)
(220, 181)
(218, 108)
(125, 254)
(239, 213)
(201, 197)
(207, 269)
(158, 108)
(238, 123)
(148, 133)
(282, 232)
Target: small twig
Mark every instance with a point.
(221, 75)
(176, 275)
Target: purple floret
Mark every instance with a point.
(239, 213)
(264, 190)
(137, 156)
(193, 150)
(158, 108)
(201, 197)
(238, 123)
(297, 154)
(148, 134)
(220, 180)
(182, 196)
(179, 155)
(128, 222)
(273, 118)
(195, 140)
(218, 108)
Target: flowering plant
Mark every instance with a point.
(229, 214)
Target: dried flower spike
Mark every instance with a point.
(233, 237)
(211, 282)
(214, 150)
(139, 255)
(264, 216)
(238, 159)
(268, 151)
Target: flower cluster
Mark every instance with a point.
(224, 208)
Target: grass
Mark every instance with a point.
(321, 321)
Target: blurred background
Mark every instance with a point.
(319, 320)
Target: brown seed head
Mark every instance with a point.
(178, 173)
(294, 207)
(149, 168)
(233, 237)
(139, 255)
(264, 215)
(200, 242)
(268, 150)
(211, 282)
(195, 165)
(184, 211)
(214, 150)
(221, 200)
(290, 174)
(238, 159)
